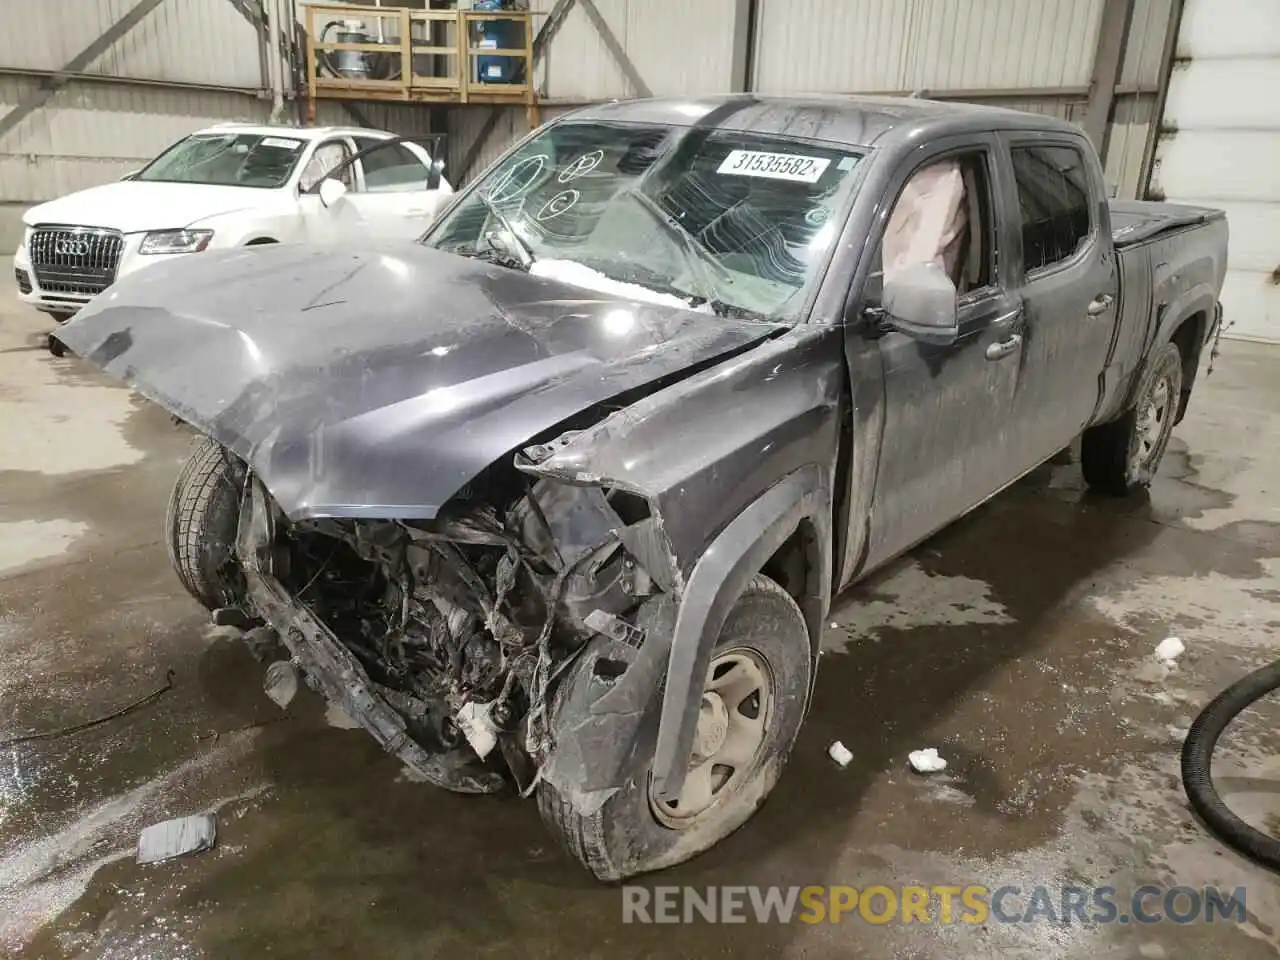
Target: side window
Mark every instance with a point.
(326, 158)
(392, 168)
(943, 216)
(1053, 194)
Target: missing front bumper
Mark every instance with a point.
(329, 666)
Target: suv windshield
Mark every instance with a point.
(227, 159)
(739, 222)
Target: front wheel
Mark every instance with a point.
(201, 525)
(752, 705)
(1123, 455)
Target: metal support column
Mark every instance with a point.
(1113, 38)
(1167, 57)
(76, 64)
(744, 32)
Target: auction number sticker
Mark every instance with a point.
(775, 166)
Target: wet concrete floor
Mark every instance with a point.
(1018, 642)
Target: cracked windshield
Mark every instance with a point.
(727, 222)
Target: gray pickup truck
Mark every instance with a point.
(555, 499)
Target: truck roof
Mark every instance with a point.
(853, 120)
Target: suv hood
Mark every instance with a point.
(131, 206)
(378, 383)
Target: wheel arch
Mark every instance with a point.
(1186, 323)
(792, 515)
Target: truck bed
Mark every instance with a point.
(1164, 249)
(1136, 221)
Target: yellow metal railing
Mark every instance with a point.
(431, 56)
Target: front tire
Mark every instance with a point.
(1122, 456)
(753, 704)
(201, 525)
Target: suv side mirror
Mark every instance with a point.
(331, 191)
(433, 174)
(921, 302)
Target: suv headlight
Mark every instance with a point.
(176, 241)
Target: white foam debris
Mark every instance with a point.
(570, 271)
(177, 838)
(834, 625)
(475, 720)
(926, 761)
(1169, 650)
(839, 753)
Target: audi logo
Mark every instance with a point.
(72, 248)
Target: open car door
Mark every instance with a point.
(390, 188)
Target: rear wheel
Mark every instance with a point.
(201, 524)
(1123, 456)
(752, 705)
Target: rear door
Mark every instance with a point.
(948, 409)
(1068, 279)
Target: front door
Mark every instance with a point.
(1067, 278)
(322, 224)
(947, 409)
(396, 195)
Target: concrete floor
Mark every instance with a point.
(1018, 642)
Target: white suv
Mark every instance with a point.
(228, 186)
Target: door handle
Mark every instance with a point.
(1100, 304)
(1002, 348)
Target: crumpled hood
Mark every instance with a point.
(131, 206)
(379, 382)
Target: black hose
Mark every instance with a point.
(1197, 775)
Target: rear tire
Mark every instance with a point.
(765, 638)
(1122, 456)
(201, 525)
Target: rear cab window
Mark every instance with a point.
(1053, 202)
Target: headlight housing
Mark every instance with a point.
(175, 241)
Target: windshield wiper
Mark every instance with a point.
(523, 251)
(700, 261)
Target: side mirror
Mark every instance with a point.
(433, 174)
(331, 191)
(921, 302)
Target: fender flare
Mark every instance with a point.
(1199, 299)
(1169, 317)
(717, 581)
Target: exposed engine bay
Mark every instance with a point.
(461, 624)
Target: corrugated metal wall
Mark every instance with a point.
(677, 46)
(197, 41)
(906, 45)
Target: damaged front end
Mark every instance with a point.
(446, 638)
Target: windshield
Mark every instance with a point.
(737, 221)
(227, 159)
